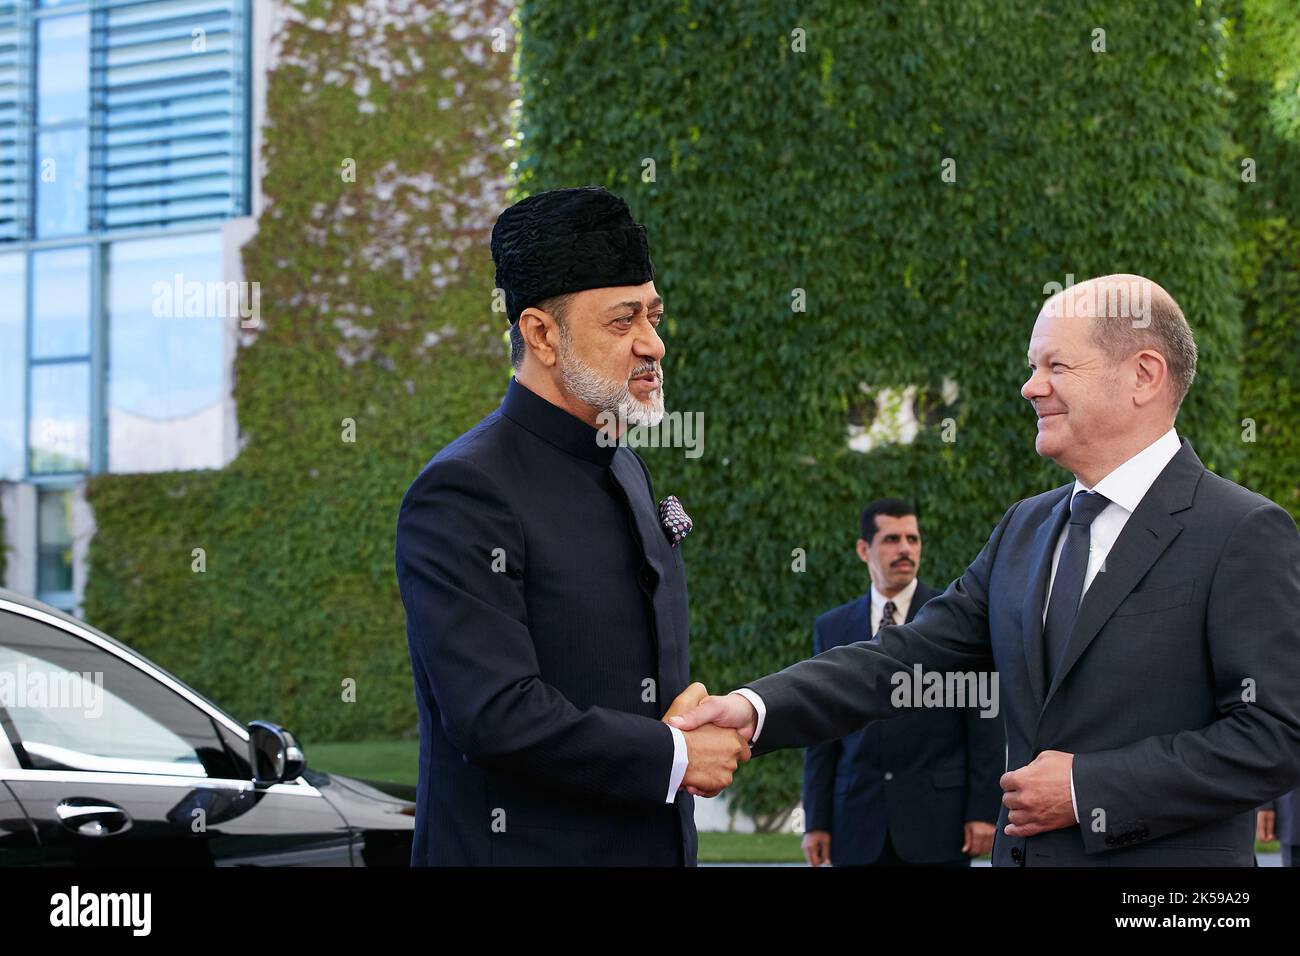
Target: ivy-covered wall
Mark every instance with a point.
(376, 293)
(777, 169)
(1265, 70)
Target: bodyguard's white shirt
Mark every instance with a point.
(1126, 486)
(902, 603)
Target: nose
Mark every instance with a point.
(649, 345)
(1035, 386)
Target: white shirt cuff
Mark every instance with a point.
(679, 763)
(1073, 802)
(759, 708)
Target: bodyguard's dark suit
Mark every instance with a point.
(1179, 693)
(943, 766)
(547, 626)
(1286, 826)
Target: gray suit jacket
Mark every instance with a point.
(1179, 694)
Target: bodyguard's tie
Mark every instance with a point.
(886, 616)
(1067, 586)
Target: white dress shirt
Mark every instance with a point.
(902, 602)
(1126, 486)
(679, 763)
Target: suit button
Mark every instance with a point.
(889, 775)
(1016, 856)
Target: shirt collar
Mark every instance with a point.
(554, 425)
(1129, 483)
(901, 600)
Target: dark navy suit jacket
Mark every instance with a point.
(546, 620)
(920, 777)
(1179, 692)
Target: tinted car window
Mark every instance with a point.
(67, 704)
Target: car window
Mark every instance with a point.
(70, 705)
(8, 760)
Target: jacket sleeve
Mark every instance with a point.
(819, 763)
(986, 762)
(460, 570)
(847, 687)
(1251, 753)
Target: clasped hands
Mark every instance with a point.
(718, 731)
(1037, 795)
(713, 749)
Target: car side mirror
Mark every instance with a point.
(274, 754)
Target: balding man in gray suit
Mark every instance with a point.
(1144, 619)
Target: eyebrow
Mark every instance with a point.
(636, 306)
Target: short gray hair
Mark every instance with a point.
(556, 305)
(1166, 331)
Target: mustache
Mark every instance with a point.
(644, 369)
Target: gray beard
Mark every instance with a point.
(604, 394)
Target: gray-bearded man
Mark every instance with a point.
(545, 593)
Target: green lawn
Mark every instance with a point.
(750, 848)
(397, 761)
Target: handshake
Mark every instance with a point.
(717, 731)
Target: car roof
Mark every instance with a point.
(31, 602)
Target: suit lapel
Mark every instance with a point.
(1031, 611)
(654, 545)
(1147, 533)
(627, 475)
(859, 622)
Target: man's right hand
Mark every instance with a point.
(734, 711)
(712, 755)
(1265, 826)
(817, 847)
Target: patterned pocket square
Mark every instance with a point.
(677, 523)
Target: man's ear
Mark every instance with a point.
(862, 550)
(541, 336)
(1152, 377)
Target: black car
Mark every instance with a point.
(107, 759)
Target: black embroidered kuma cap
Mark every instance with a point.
(567, 240)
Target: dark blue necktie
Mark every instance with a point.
(1067, 586)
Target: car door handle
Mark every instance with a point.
(93, 818)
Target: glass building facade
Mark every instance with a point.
(124, 147)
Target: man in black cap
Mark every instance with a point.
(545, 594)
